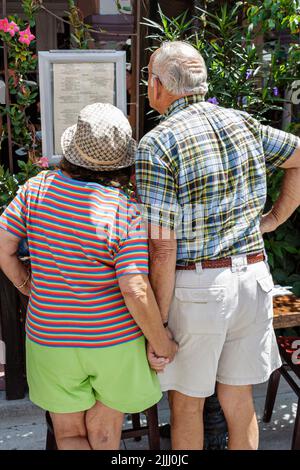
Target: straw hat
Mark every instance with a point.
(101, 139)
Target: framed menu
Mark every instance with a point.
(70, 80)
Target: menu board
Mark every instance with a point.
(75, 85)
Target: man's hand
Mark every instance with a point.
(169, 348)
(268, 223)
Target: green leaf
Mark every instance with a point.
(296, 289)
(271, 260)
(21, 164)
(280, 275)
(271, 23)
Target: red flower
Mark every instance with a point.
(4, 25)
(26, 36)
(12, 28)
(43, 162)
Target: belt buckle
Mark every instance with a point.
(239, 263)
(199, 268)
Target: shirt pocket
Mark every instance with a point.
(265, 299)
(200, 310)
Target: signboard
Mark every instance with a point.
(114, 7)
(69, 81)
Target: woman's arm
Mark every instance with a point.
(12, 267)
(141, 303)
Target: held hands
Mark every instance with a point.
(159, 361)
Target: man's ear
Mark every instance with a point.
(157, 88)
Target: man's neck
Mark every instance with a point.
(172, 100)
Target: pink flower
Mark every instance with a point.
(4, 25)
(43, 162)
(12, 28)
(26, 36)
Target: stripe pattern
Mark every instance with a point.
(82, 237)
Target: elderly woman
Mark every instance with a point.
(91, 305)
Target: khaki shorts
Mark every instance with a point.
(222, 321)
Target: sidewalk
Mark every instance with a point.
(22, 424)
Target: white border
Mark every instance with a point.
(46, 59)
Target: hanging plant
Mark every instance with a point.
(20, 41)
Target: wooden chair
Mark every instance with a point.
(287, 349)
(136, 432)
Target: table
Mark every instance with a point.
(286, 311)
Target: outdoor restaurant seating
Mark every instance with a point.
(288, 345)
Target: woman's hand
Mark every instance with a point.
(156, 363)
(159, 359)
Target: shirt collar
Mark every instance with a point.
(182, 103)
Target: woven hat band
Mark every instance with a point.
(101, 139)
(96, 161)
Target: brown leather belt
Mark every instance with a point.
(222, 262)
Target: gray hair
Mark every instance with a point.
(180, 68)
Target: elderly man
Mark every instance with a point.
(201, 178)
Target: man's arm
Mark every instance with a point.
(162, 260)
(289, 198)
(157, 190)
(162, 251)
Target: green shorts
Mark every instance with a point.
(68, 380)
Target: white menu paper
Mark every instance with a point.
(75, 85)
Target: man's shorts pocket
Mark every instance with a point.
(265, 299)
(200, 310)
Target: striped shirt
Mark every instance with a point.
(82, 237)
(202, 172)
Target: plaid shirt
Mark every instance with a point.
(202, 172)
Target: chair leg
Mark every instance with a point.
(136, 423)
(296, 433)
(153, 436)
(271, 395)
(50, 439)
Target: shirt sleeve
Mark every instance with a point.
(278, 146)
(13, 219)
(156, 187)
(132, 255)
